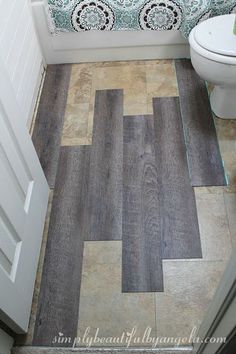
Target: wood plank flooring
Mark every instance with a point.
(204, 159)
(104, 202)
(58, 305)
(179, 225)
(141, 234)
(50, 117)
(132, 184)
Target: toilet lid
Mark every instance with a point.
(216, 35)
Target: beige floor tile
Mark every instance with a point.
(149, 107)
(76, 124)
(102, 304)
(209, 190)
(120, 63)
(80, 84)
(210, 87)
(189, 287)
(90, 122)
(213, 224)
(135, 108)
(215, 190)
(135, 101)
(230, 202)
(161, 81)
(159, 62)
(229, 159)
(226, 132)
(119, 77)
(229, 189)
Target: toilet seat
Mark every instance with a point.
(214, 39)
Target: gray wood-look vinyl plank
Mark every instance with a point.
(141, 243)
(33, 350)
(204, 159)
(50, 117)
(58, 305)
(104, 202)
(179, 223)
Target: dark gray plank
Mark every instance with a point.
(180, 232)
(104, 204)
(58, 305)
(204, 159)
(50, 117)
(141, 242)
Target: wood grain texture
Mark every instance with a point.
(104, 203)
(58, 305)
(179, 224)
(204, 159)
(141, 246)
(35, 350)
(50, 117)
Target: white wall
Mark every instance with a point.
(20, 52)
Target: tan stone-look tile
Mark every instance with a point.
(229, 189)
(213, 225)
(133, 62)
(75, 124)
(210, 88)
(149, 107)
(80, 84)
(120, 77)
(154, 62)
(90, 120)
(215, 189)
(188, 290)
(226, 132)
(229, 159)
(209, 190)
(102, 304)
(230, 202)
(135, 108)
(135, 101)
(161, 81)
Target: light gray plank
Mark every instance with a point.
(141, 246)
(50, 117)
(58, 305)
(180, 232)
(204, 159)
(104, 204)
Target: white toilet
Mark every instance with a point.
(213, 55)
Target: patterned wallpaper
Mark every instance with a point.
(83, 15)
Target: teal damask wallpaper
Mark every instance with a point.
(84, 15)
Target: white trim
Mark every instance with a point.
(105, 45)
(6, 343)
(35, 97)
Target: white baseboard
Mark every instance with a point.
(96, 46)
(35, 97)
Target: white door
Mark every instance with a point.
(23, 203)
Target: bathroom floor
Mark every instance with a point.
(98, 300)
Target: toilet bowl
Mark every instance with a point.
(213, 56)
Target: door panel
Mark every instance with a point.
(23, 203)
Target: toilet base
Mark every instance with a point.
(223, 102)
